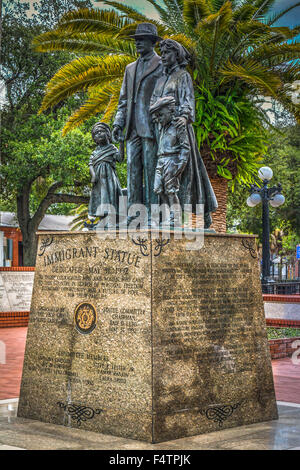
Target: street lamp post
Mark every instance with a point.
(265, 195)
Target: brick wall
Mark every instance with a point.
(18, 268)
(282, 347)
(10, 319)
(285, 323)
(289, 299)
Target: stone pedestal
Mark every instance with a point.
(146, 339)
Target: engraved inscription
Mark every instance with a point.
(210, 322)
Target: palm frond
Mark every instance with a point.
(254, 29)
(284, 97)
(289, 73)
(81, 74)
(186, 41)
(194, 11)
(111, 108)
(285, 31)
(217, 4)
(262, 7)
(255, 75)
(160, 10)
(282, 52)
(80, 214)
(218, 22)
(90, 20)
(281, 13)
(129, 30)
(244, 12)
(174, 18)
(82, 43)
(129, 11)
(99, 100)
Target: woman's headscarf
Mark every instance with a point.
(182, 53)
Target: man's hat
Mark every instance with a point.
(161, 102)
(146, 29)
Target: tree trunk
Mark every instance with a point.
(29, 225)
(29, 249)
(220, 187)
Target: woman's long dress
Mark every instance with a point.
(107, 188)
(195, 186)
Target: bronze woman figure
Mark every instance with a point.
(195, 185)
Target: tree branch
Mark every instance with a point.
(45, 203)
(52, 198)
(70, 198)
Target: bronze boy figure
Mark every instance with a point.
(172, 155)
(106, 186)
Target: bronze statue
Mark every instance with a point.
(195, 186)
(106, 186)
(172, 155)
(146, 81)
(133, 117)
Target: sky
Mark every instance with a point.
(290, 19)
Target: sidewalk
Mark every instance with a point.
(287, 380)
(286, 374)
(11, 372)
(26, 434)
(19, 433)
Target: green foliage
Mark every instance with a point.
(36, 152)
(283, 156)
(228, 127)
(276, 333)
(236, 55)
(290, 242)
(80, 214)
(24, 71)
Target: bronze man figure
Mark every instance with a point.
(133, 116)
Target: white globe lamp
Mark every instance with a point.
(265, 173)
(250, 203)
(277, 200)
(255, 198)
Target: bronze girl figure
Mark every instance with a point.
(106, 185)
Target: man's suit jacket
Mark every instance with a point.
(140, 93)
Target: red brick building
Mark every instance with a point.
(11, 247)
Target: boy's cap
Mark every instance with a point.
(161, 102)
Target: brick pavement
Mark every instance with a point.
(11, 372)
(286, 374)
(287, 380)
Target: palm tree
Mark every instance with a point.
(238, 58)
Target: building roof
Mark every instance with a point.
(49, 222)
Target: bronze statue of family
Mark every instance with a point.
(155, 114)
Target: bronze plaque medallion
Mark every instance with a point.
(85, 318)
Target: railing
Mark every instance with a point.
(282, 287)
